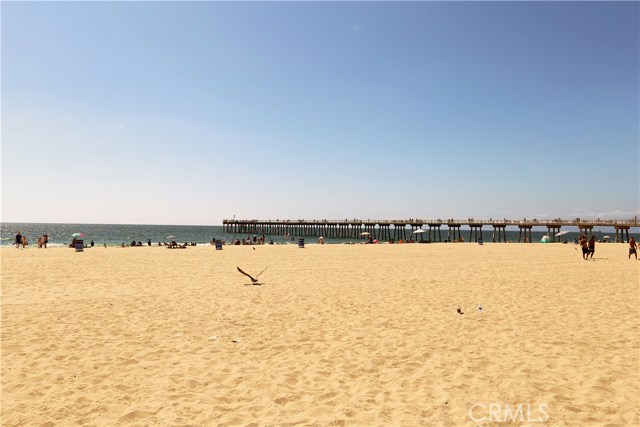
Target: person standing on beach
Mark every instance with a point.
(633, 248)
(591, 246)
(18, 240)
(45, 240)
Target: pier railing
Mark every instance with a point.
(634, 222)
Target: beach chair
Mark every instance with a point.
(218, 245)
(301, 243)
(79, 245)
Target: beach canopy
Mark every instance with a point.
(545, 239)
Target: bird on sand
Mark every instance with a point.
(254, 280)
(459, 310)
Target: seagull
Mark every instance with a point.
(480, 308)
(459, 310)
(254, 280)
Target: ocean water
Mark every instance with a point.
(116, 234)
(111, 234)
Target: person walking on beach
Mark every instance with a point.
(633, 248)
(45, 240)
(591, 246)
(18, 240)
(585, 248)
(24, 242)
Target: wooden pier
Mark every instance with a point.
(397, 229)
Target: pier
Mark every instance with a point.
(403, 229)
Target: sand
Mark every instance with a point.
(354, 335)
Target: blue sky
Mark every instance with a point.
(188, 113)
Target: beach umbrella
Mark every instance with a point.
(171, 237)
(562, 233)
(545, 239)
(77, 235)
(419, 231)
(365, 233)
(606, 237)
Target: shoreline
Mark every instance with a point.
(312, 242)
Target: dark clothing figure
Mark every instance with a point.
(633, 248)
(18, 240)
(591, 246)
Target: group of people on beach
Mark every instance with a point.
(171, 244)
(588, 246)
(22, 241)
(174, 245)
(134, 243)
(42, 241)
(249, 240)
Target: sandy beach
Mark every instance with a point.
(353, 335)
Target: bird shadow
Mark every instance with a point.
(254, 284)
